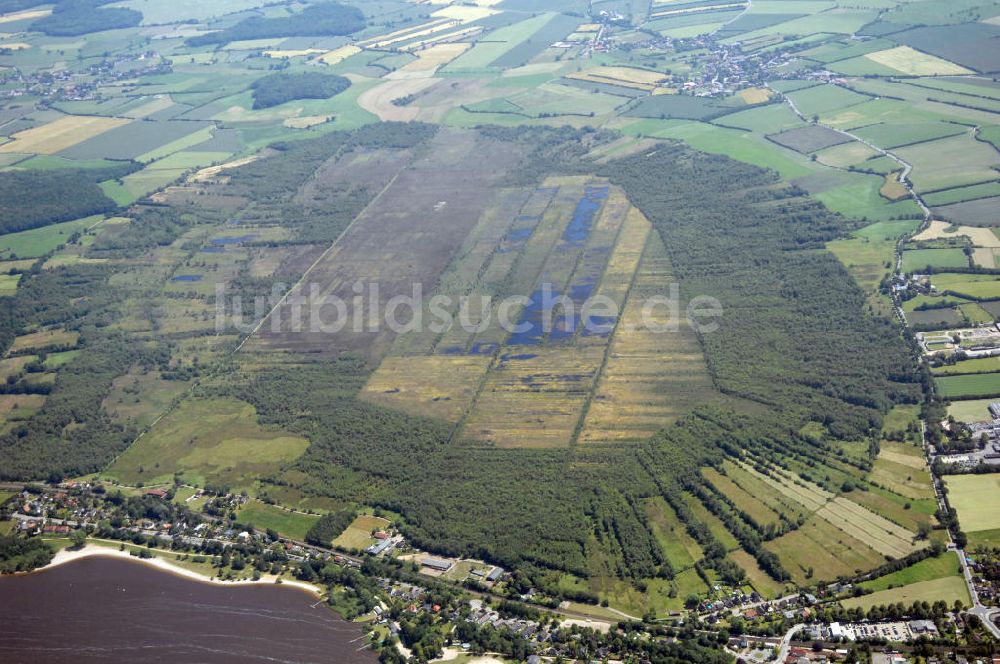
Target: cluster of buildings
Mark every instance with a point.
(896, 632)
(64, 84)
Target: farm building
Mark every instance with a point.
(437, 564)
(380, 547)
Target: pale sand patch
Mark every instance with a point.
(429, 59)
(979, 236)
(18, 46)
(379, 99)
(293, 53)
(22, 16)
(465, 13)
(306, 121)
(595, 625)
(339, 54)
(60, 134)
(534, 68)
(212, 171)
(985, 257)
(91, 551)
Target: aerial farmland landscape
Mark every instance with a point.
(479, 331)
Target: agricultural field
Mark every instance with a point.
(971, 410)
(969, 387)
(949, 589)
(60, 134)
(285, 522)
(974, 497)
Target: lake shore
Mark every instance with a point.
(65, 556)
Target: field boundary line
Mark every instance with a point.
(305, 274)
(599, 374)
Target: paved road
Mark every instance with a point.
(786, 643)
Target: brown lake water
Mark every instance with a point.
(115, 610)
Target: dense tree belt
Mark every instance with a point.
(278, 88)
(34, 198)
(327, 19)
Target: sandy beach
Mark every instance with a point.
(67, 556)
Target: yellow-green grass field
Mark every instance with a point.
(436, 385)
(948, 589)
(927, 569)
(675, 542)
(743, 500)
(39, 241)
(44, 339)
(285, 522)
(901, 468)
(912, 62)
(358, 535)
(989, 539)
(818, 551)
(973, 366)
(975, 498)
(649, 379)
(141, 397)
(213, 440)
(971, 410)
(759, 579)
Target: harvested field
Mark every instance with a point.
(893, 189)
(629, 77)
(441, 199)
(978, 236)
(912, 62)
(60, 134)
(338, 55)
(755, 95)
(25, 15)
(432, 57)
(464, 13)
